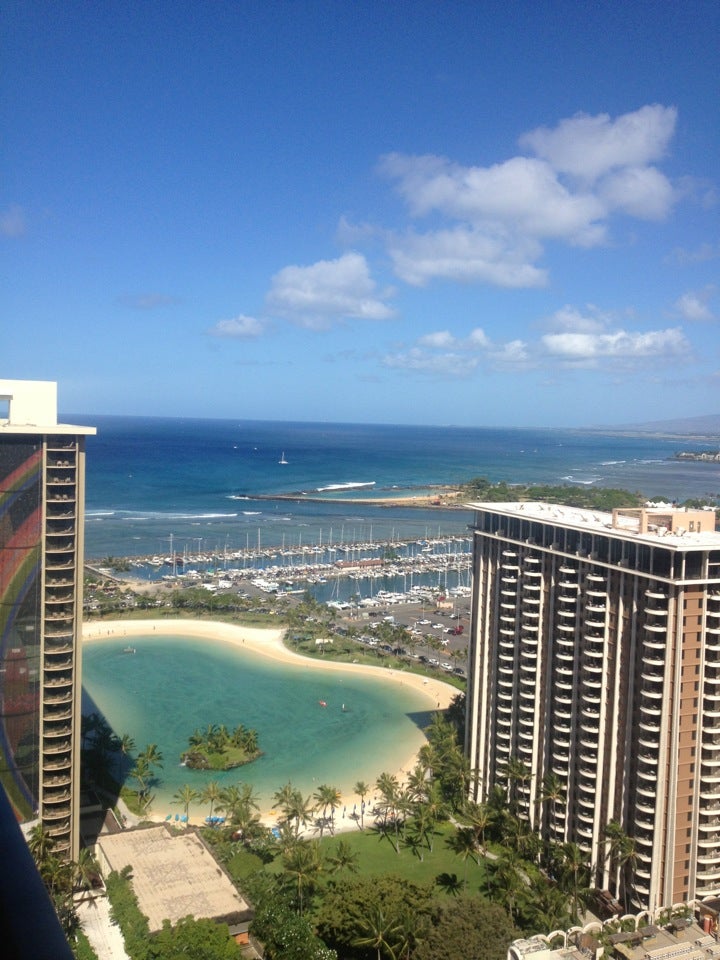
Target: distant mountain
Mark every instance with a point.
(707, 426)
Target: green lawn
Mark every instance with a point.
(377, 856)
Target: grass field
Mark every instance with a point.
(377, 856)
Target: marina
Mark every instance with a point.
(363, 574)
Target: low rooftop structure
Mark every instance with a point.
(679, 527)
(175, 876)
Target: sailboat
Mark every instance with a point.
(282, 458)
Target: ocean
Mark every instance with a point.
(198, 481)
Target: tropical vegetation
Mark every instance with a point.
(217, 748)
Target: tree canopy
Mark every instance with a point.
(466, 928)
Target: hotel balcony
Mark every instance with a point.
(656, 594)
(57, 730)
(647, 776)
(655, 611)
(585, 833)
(568, 585)
(52, 664)
(646, 791)
(55, 699)
(58, 829)
(58, 595)
(566, 614)
(56, 746)
(652, 678)
(60, 563)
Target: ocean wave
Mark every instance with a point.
(252, 513)
(99, 513)
(178, 516)
(345, 486)
(584, 482)
(612, 463)
(238, 496)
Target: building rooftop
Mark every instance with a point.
(30, 406)
(173, 876)
(677, 527)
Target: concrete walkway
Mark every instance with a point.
(104, 936)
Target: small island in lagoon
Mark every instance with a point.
(218, 748)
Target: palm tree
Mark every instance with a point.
(379, 931)
(464, 843)
(362, 789)
(343, 857)
(153, 755)
(575, 863)
(250, 741)
(282, 798)
(623, 857)
(41, 844)
(86, 870)
(518, 775)
(141, 773)
(508, 881)
(300, 810)
(327, 796)
(553, 792)
(303, 864)
(211, 793)
(480, 819)
(185, 795)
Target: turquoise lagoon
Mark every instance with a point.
(172, 685)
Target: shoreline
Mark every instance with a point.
(268, 642)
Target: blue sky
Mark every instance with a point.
(486, 213)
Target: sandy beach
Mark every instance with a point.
(269, 643)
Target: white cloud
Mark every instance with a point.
(493, 221)
(589, 147)
(512, 353)
(591, 348)
(329, 290)
(641, 192)
(701, 254)
(569, 318)
(445, 364)
(13, 222)
(238, 328)
(148, 301)
(693, 306)
(466, 255)
(523, 194)
(444, 340)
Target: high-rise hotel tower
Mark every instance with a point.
(594, 680)
(42, 481)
